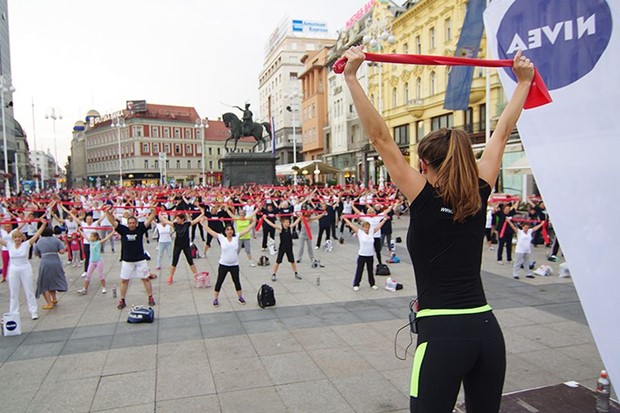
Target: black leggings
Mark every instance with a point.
(504, 241)
(86, 256)
(202, 234)
(458, 348)
(361, 261)
(176, 253)
(222, 271)
(377, 245)
(268, 231)
(322, 230)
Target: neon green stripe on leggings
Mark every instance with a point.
(415, 371)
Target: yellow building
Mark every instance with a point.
(413, 95)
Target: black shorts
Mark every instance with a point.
(288, 252)
(176, 253)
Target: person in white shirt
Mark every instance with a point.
(165, 243)
(524, 248)
(366, 251)
(229, 260)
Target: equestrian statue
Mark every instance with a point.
(245, 127)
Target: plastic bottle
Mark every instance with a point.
(318, 280)
(602, 393)
(114, 291)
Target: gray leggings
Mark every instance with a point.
(302, 241)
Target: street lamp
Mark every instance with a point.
(294, 97)
(54, 114)
(202, 124)
(378, 32)
(118, 123)
(6, 88)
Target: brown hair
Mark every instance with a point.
(449, 152)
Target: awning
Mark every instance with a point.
(309, 166)
(519, 167)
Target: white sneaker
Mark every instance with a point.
(252, 264)
(356, 288)
(374, 287)
(83, 274)
(103, 290)
(35, 316)
(82, 291)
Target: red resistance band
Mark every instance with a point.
(538, 95)
(365, 216)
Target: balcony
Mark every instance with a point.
(415, 107)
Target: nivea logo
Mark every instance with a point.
(564, 39)
(11, 325)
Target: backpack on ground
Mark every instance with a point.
(141, 314)
(263, 261)
(382, 269)
(202, 280)
(266, 296)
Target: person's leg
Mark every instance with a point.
(320, 237)
(14, 286)
(265, 235)
(310, 250)
(302, 242)
(123, 289)
(234, 273)
(526, 265)
(358, 271)
(509, 249)
(193, 237)
(187, 251)
(47, 296)
(201, 230)
(86, 256)
(176, 253)
(27, 279)
(377, 245)
(370, 269)
(222, 270)
(291, 259)
(99, 267)
(500, 248)
(517, 265)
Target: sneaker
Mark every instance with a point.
(356, 288)
(103, 290)
(529, 276)
(151, 300)
(374, 287)
(262, 249)
(252, 264)
(83, 274)
(491, 249)
(500, 262)
(216, 303)
(47, 306)
(121, 304)
(35, 316)
(298, 261)
(273, 277)
(298, 276)
(516, 277)
(242, 300)
(316, 247)
(82, 291)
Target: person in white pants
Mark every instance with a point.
(20, 270)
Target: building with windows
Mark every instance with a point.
(46, 165)
(159, 144)
(21, 164)
(279, 79)
(5, 72)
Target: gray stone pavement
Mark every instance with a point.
(322, 348)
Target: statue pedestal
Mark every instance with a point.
(242, 168)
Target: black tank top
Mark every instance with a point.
(446, 255)
(286, 238)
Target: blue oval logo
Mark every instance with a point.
(564, 39)
(11, 325)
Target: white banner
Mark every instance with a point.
(573, 144)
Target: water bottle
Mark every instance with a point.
(318, 280)
(602, 393)
(114, 291)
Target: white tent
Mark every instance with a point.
(309, 166)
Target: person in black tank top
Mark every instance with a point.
(286, 244)
(459, 339)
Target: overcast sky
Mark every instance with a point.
(77, 55)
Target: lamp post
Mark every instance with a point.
(118, 123)
(54, 114)
(202, 124)
(6, 88)
(378, 32)
(294, 96)
(36, 163)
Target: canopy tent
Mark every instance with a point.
(519, 167)
(309, 166)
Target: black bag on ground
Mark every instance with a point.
(382, 269)
(141, 314)
(194, 250)
(266, 297)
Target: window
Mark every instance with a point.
(401, 134)
(432, 83)
(177, 132)
(156, 163)
(199, 163)
(168, 163)
(431, 38)
(443, 121)
(219, 151)
(418, 88)
(210, 151)
(188, 133)
(189, 164)
(155, 148)
(136, 131)
(188, 149)
(406, 48)
(178, 164)
(293, 75)
(210, 164)
(394, 97)
(154, 132)
(177, 149)
(166, 132)
(406, 92)
(448, 29)
(418, 45)
(167, 148)
(146, 164)
(482, 115)
(420, 131)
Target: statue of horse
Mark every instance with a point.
(232, 122)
